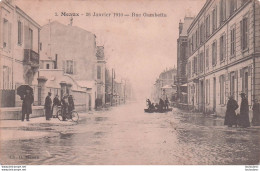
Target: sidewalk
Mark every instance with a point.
(35, 128)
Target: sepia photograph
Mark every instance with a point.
(129, 82)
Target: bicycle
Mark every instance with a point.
(73, 115)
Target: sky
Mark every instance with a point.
(138, 48)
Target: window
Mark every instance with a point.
(193, 43)
(207, 91)
(244, 33)
(232, 83)
(189, 69)
(20, 32)
(201, 33)
(207, 57)
(208, 26)
(232, 41)
(201, 62)
(6, 34)
(6, 77)
(244, 73)
(222, 89)
(98, 72)
(195, 65)
(47, 66)
(222, 11)
(222, 48)
(214, 19)
(31, 38)
(196, 39)
(233, 6)
(69, 66)
(40, 46)
(214, 53)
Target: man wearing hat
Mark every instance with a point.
(47, 106)
(244, 112)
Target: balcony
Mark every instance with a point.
(31, 58)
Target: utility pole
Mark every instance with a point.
(112, 88)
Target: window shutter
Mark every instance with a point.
(21, 32)
(26, 37)
(249, 70)
(9, 35)
(241, 73)
(241, 34)
(224, 46)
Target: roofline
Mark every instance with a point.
(55, 21)
(19, 10)
(199, 14)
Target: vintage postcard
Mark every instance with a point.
(120, 82)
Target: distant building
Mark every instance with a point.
(164, 85)
(68, 63)
(224, 54)
(182, 58)
(19, 52)
(101, 69)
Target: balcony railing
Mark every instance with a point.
(31, 57)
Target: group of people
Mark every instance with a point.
(66, 103)
(163, 104)
(241, 119)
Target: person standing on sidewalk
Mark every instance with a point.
(27, 104)
(244, 112)
(256, 113)
(230, 118)
(56, 103)
(47, 106)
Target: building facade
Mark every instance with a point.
(165, 86)
(101, 69)
(68, 63)
(182, 58)
(224, 46)
(19, 52)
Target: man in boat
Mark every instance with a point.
(166, 103)
(161, 105)
(149, 103)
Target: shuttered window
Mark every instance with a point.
(222, 48)
(69, 67)
(20, 32)
(244, 33)
(233, 41)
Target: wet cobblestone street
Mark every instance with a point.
(126, 135)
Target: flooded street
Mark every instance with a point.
(126, 135)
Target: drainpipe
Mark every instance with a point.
(254, 51)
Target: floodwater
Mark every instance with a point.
(126, 135)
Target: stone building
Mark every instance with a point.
(68, 63)
(182, 57)
(224, 46)
(19, 51)
(164, 86)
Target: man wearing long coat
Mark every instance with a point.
(244, 112)
(27, 104)
(47, 106)
(230, 118)
(256, 113)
